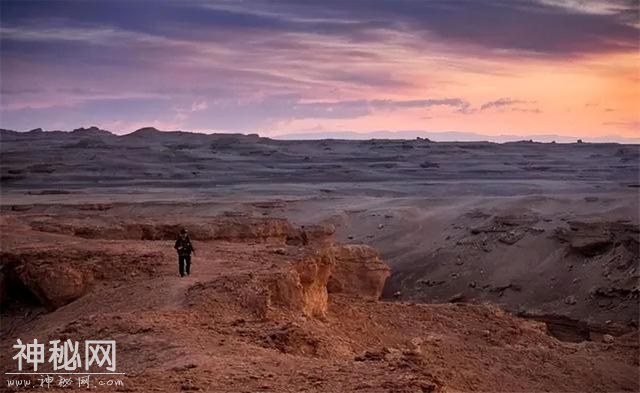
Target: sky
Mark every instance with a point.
(493, 67)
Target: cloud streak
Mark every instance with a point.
(356, 108)
(501, 102)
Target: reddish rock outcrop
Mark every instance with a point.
(219, 228)
(357, 271)
(302, 285)
(53, 286)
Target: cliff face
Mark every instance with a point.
(302, 285)
(218, 228)
(352, 270)
(358, 271)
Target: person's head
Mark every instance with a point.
(183, 232)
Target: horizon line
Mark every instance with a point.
(467, 136)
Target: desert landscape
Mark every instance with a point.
(326, 265)
(337, 196)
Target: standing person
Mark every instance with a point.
(185, 248)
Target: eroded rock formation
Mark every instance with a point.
(358, 271)
(54, 285)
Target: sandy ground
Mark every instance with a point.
(545, 231)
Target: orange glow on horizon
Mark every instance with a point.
(588, 97)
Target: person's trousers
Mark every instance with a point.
(184, 264)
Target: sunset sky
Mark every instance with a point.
(562, 67)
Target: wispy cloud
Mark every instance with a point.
(501, 102)
(355, 108)
(631, 125)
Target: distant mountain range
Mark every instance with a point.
(446, 136)
(451, 136)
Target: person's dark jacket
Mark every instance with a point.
(184, 246)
